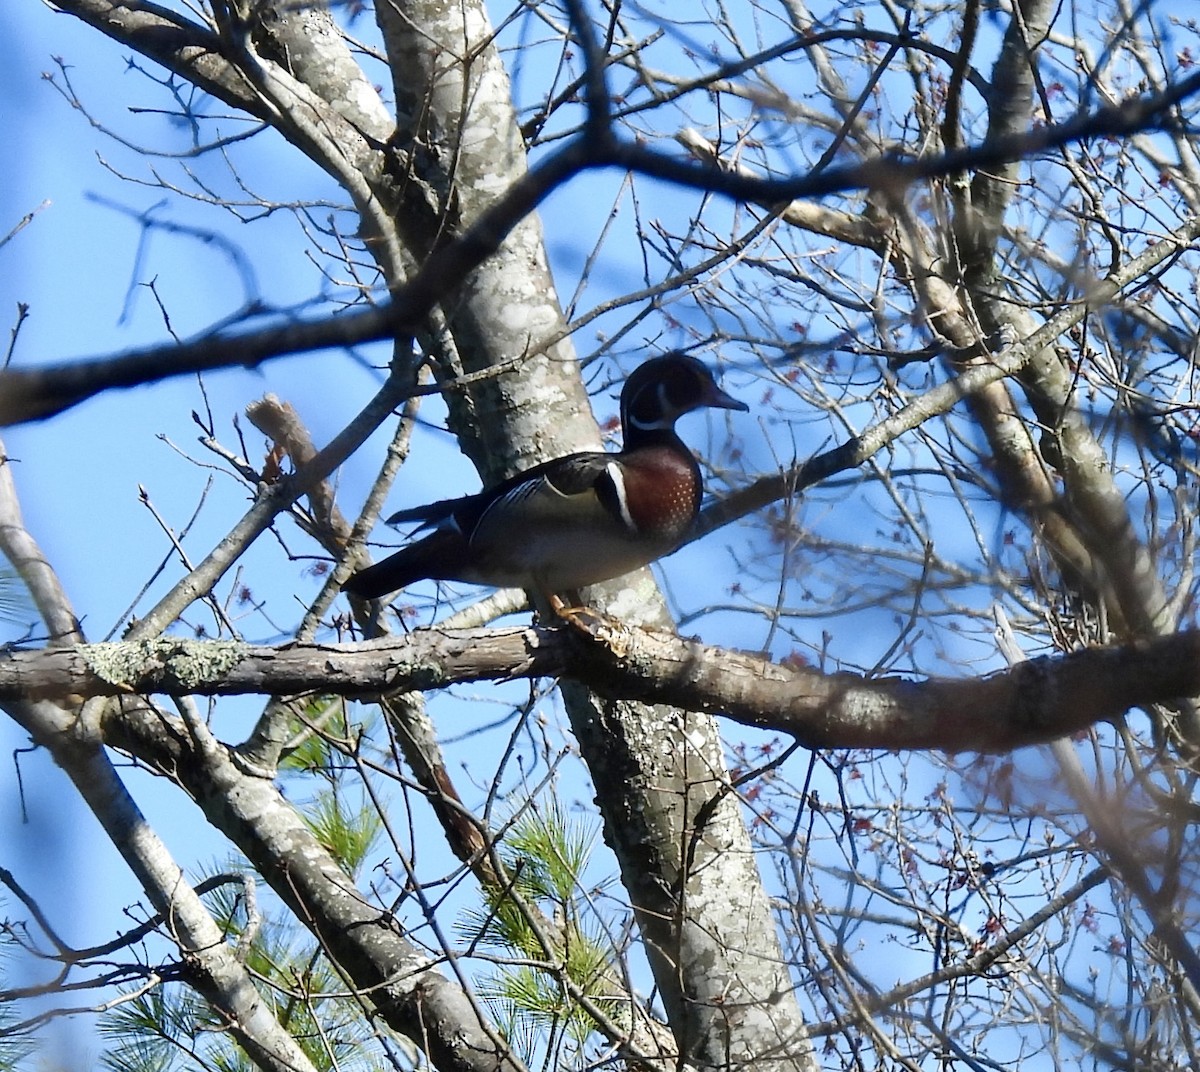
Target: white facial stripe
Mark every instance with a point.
(669, 413)
(618, 482)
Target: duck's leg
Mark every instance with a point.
(575, 612)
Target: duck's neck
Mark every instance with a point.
(635, 437)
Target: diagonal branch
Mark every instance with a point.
(178, 44)
(944, 397)
(36, 393)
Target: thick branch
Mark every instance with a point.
(1010, 108)
(210, 964)
(178, 44)
(366, 943)
(34, 393)
(1034, 702)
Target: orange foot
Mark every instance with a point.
(580, 615)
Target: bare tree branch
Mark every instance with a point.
(1037, 701)
(37, 393)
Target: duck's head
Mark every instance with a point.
(661, 390)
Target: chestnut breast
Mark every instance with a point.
(663, 491)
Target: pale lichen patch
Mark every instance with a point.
(190, 662)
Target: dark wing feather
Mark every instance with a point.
(446, 553)
(429, 514)
(438, 555)
(569, 475)
(572, 474)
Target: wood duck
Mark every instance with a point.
(576, 520)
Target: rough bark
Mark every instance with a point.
(1038, 701)
(73, 735)
(462, 141)
(365, 943)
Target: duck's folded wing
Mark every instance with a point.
(495, 536)
(580, 491)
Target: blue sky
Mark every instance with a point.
(79, 267)
(75, 265)
(82, 265)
